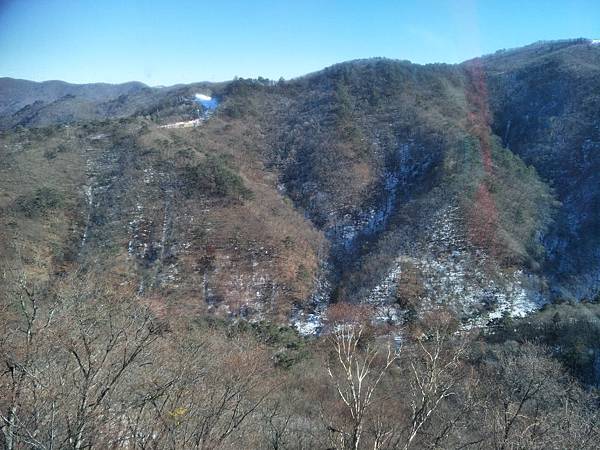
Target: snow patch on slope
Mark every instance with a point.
(184, 124)
(453, 276)
(310, 321)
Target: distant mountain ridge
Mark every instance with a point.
(17, 93)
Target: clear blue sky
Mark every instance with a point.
(167, 42)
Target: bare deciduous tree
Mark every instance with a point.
(435, 366)
(356, 370)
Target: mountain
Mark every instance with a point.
(17, 94)
(30, 104)
(373, 181)
(543, 100)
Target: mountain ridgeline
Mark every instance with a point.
(375, 181)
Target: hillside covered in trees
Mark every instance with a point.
(376, 255)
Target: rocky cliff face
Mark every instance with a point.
(403, 186)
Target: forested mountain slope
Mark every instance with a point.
(376, 255)
(545, 100)
(373, 181)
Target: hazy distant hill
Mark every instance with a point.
(15, 93)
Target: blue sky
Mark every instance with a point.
(167, 42)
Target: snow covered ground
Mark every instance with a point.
(184, 124)
(453, 276)
(209, 104)
(311, 322)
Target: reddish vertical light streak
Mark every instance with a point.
(483, 220)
